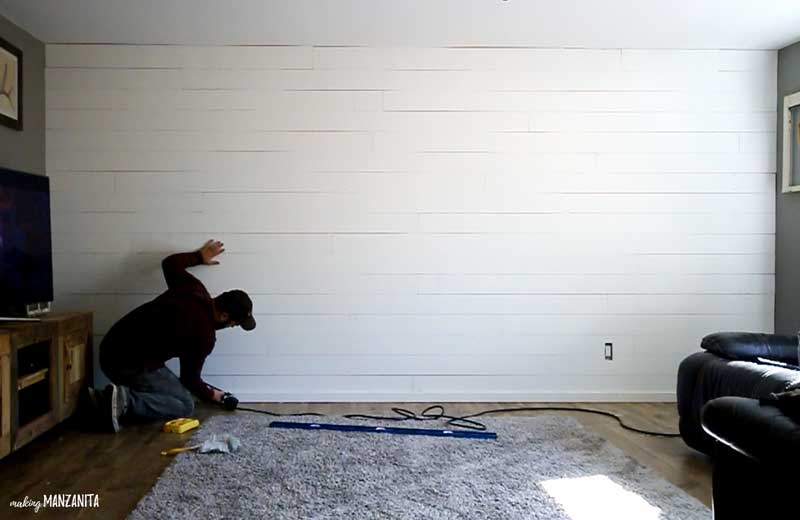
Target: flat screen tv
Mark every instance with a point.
(26, 256)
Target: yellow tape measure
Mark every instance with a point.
(181, 425)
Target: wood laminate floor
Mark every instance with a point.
(122, 468)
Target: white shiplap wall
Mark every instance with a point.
(425, 223)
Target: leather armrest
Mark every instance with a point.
(749, 346)
(757, 430)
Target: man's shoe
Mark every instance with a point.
(115, 405)
(90, 401)
(94, 398)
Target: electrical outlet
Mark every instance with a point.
(609, 351)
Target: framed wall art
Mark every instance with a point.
(791, 143)
(10, 85)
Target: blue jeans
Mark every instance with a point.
(156, 394)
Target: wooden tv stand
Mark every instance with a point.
(43, 366)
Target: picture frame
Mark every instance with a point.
(790, 164)
(10, 85)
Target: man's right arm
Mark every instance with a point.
(191, 369)
(174, 266)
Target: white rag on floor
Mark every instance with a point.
(224, 443)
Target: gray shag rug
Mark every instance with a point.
(543, 467)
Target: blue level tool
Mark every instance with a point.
(461, 434)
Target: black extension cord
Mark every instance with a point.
(437, 412)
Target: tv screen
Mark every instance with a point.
(26, 259)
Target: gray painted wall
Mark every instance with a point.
(787, 240)
(24, 150)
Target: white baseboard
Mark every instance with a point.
(460, 397)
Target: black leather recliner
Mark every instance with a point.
(736, 364)
(756, 459)
(726, 410)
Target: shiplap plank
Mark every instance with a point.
(564, 281)
(285, 119)
(317, 385)
(740, 121)
(173, 56)
(289, 221)
(687, 162)
(422, 100)
(143, 141)
(503, 59)
(187, 99)
(639, 183)
(552, 142)
(542, 385)
(689, 304)
(731, 223)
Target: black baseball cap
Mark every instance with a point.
(239, 307)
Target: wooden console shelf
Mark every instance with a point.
(31, 379)
(43, 366)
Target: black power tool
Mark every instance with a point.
(229, 401)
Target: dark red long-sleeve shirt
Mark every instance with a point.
(178, 323)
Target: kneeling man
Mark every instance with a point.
(180, 323)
